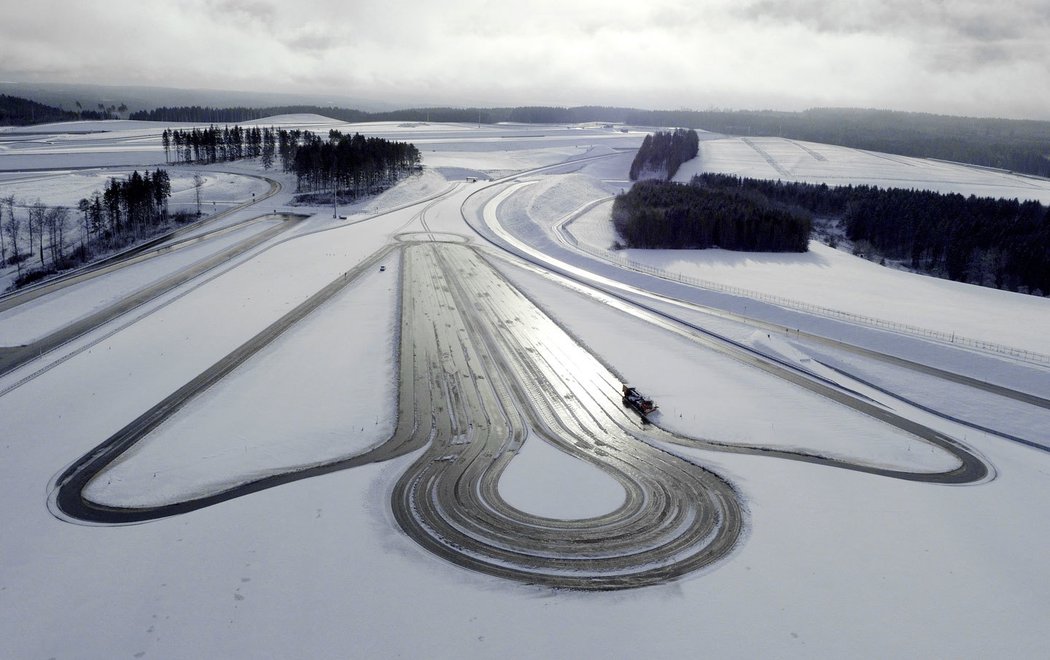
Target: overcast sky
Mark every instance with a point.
(954, 56)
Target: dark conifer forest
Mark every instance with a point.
(663, 152)
(524, 115)
(1002, 243)
(346, 165)
(660, 214)
(15, 111)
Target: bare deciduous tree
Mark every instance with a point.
(9, 202)
(36, 226)
(55, 221)
(13, 229)
(3, 241)
(198, 182)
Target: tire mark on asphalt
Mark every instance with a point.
(484, 370)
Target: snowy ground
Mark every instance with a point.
(834, 563)
(794, 160)
(928, 302)
(69, 187)
(254, 422)
(32, 320)
(837, 280)
(220, 191)
(705, 395)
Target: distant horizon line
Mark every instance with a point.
(348, 102)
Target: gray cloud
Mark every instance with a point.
(313, 39)
(246, 11)
(971, 19)
(944, 36)
(916, 54)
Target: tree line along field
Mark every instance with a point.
(37, 241)
(340, 164)
(656, 213)
(1011, 144)
(999, 243)
(1015, 145)
(662, 214)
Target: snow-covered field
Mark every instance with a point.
(68, 188)
(794, 160)
(837, 280)
(255, 422)
(702, 394)
(834, 563)
(36, 318)
(220, 190)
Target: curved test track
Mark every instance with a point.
(483, 370)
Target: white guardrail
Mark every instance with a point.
(947, 337)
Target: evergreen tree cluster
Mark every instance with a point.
(661, 214)
(215, 145)
(128, 208)
(1001, 243)
(1010, 144)
(344, 164)
(340, 164)
(662, 153)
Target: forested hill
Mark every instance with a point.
(15, 111)
(202, 115)
(524, 115)
(1017, 145)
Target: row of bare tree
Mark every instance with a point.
(41, 229)
(125, 211)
